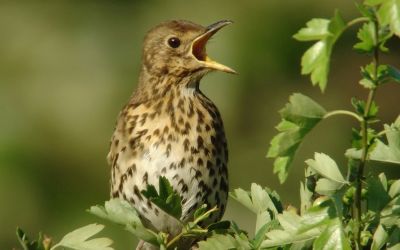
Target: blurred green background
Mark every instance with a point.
(67, 67)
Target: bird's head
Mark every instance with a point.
(178, 48)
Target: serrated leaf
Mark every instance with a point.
(121, 212)
(79, 239)
(379, 239)
(259, 201)
(316, 29)
(389, 14)
(332, 238)
(289, 234)
(225, 242)
(367, 38)
(167, 199)
(383, 152)
(316, 59)
(326, 166)
(299, 116)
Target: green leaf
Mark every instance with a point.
(167, 199)
(394, 239)
(316, 59)
(317, 216)
(305, 198)
(289, 233)
(389, 14)
(377, 196)
(332, 237)
(122, 212)
(394, 189)
(327, 187)
(225, 242)
(30, 245)
(299, 116)
(259, 201)
(326, 167)
(388, 73)
(79, 239)
(316, 29)
(261, 233)
(367, 37)
(380, 238)
(383, 152)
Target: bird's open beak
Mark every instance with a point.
(199, 48)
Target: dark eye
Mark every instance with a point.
(174, 42)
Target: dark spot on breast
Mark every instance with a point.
(200, 142)
(166, 129)
(114, 164)
(143, 119)
(223, 185)
(200, 162)
(168, 150)
(182, 163)
(198, 174)
(180, 120)
(215, 182)
(198, 128)
(145, 178)
(114, 194)
(131, 169)
(209, 165)
(137, 192)
(172, 166)
(149, 204)
(184, 188)
(186, 144)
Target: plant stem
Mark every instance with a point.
(190, 230)
(357, 20)
(343, 112)
(365, 142)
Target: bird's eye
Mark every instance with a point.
(174, 42)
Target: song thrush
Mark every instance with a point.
(170, 128)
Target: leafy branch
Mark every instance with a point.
(355, 210)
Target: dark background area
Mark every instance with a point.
(67, 68)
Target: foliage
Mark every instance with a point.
(352, 210)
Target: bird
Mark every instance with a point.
(170, 128)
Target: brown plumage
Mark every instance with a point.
(170, 128)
